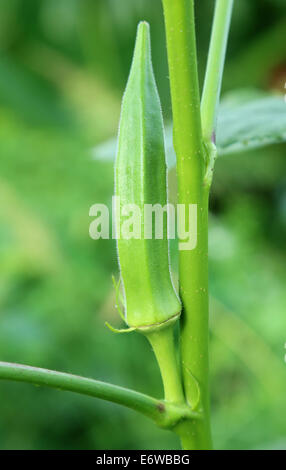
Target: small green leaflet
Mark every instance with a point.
(242, 125)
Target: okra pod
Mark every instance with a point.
(150, 299)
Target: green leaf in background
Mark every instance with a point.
(252, 124)
(247, 120)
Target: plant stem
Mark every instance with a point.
(215, 66)
(193, 264)
(182, 59)
(149, 406)
(163, 345)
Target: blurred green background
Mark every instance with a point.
(63, 67)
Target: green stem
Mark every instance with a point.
(182, 59)
(163, 345)
(149, 406)
(193, 264)
(215, 66)
(195, 331)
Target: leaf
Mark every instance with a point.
(253, 124)
(247, 120)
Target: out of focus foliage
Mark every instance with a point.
(63, 66)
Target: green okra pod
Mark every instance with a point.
(150, 299)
